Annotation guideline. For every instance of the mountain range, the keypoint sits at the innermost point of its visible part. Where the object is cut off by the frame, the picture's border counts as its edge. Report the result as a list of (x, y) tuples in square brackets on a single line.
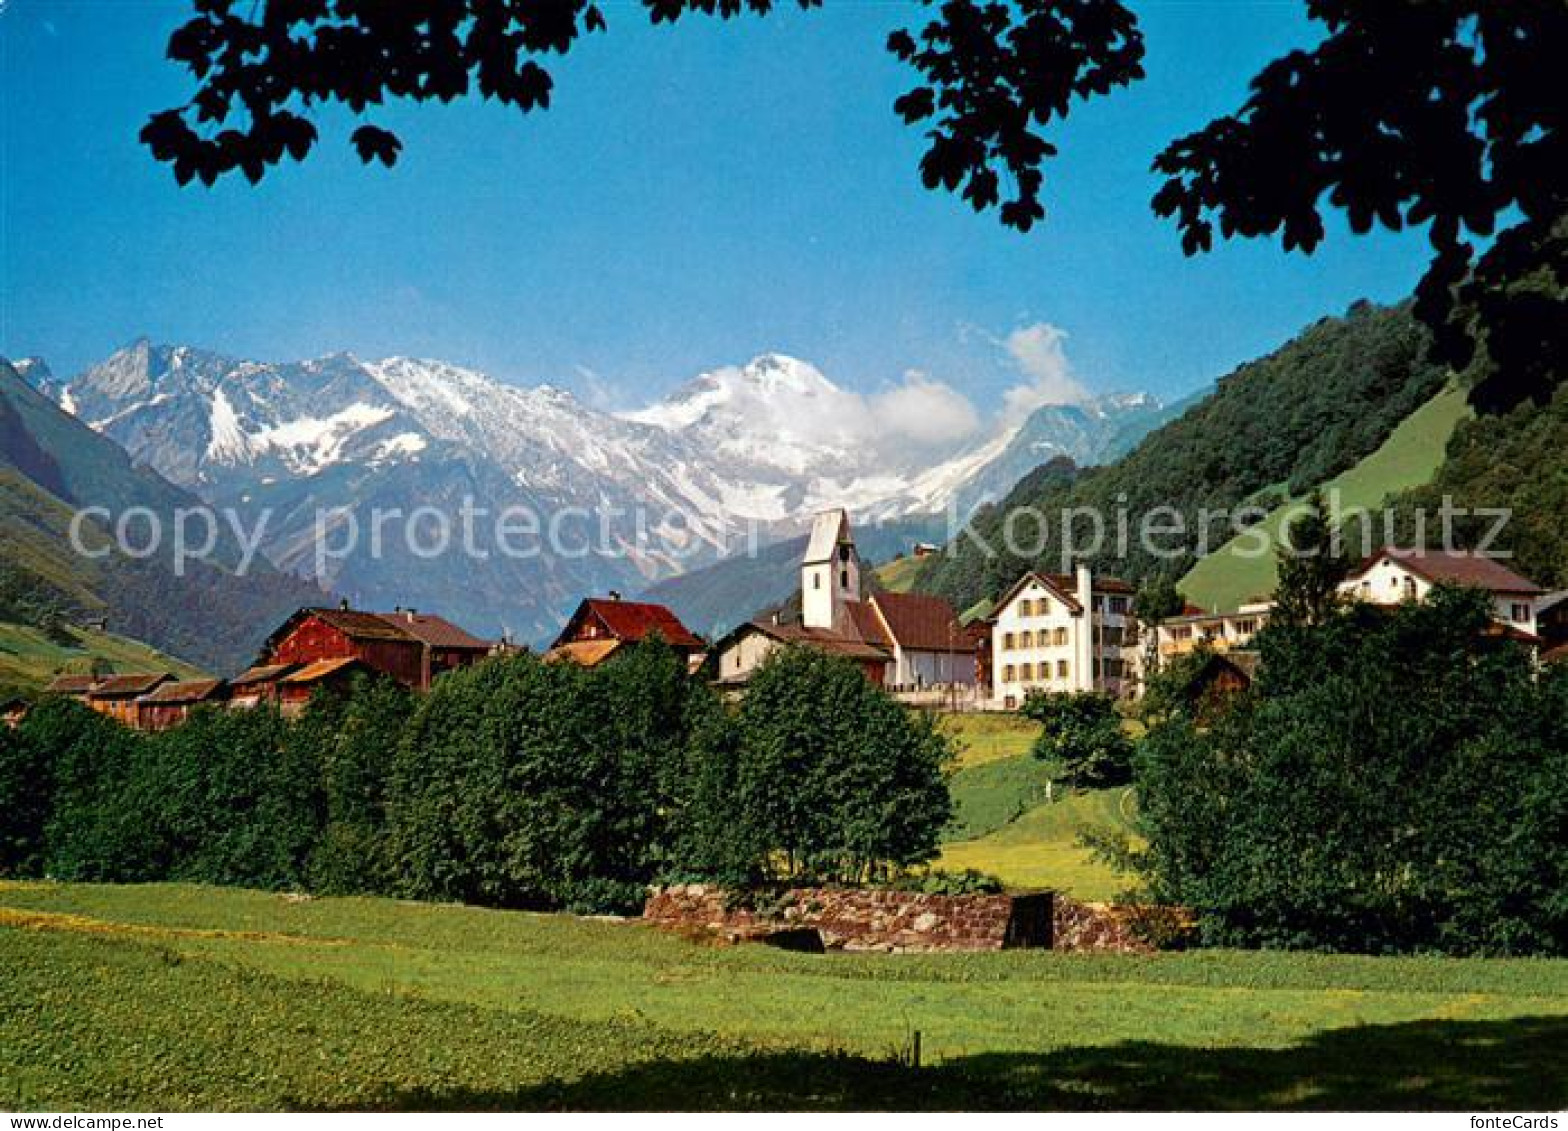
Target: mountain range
[(740, 456)]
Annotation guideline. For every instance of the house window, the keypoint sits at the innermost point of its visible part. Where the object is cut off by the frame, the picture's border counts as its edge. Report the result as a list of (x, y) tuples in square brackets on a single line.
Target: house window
[(1060, 638), (1026, 639), (843, 579), (1118, 605), (1026, 608), (1521, 613), (1009, 674), (1410, 589), (1026, 672), (1246, 627), (1009, 641), (1061, 669)]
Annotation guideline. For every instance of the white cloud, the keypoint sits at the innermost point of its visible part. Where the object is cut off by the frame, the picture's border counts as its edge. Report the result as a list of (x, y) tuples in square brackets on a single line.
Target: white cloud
[(1040, 353), (925, 411)]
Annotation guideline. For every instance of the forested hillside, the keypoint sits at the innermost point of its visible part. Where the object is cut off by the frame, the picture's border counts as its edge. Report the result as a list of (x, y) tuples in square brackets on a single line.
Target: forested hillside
[(49, 465), (1271, 429), (1519, 462)]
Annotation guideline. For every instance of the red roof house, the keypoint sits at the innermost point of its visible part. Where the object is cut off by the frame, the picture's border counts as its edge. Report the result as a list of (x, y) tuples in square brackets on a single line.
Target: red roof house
[(413, 648), (603, 625)]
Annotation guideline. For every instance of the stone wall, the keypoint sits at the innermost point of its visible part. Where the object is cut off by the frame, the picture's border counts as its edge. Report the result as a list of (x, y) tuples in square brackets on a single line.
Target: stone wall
[(902, 921)]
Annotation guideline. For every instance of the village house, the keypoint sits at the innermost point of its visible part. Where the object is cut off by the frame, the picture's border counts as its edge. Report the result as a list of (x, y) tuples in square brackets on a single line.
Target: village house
[(602, 626), (296, 688), (116, 695), (72, 686), (257, 685), (907, 642), (1392, 576), (413, 648), (1218, 632), (1551, 620), (172, 703), (1053, 632)]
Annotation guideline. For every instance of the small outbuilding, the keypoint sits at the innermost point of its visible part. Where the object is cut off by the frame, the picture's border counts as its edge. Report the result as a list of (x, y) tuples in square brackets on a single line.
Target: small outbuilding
[(172, 703)]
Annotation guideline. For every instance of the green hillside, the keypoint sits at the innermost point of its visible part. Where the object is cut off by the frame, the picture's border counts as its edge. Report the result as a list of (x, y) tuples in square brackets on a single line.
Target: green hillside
[(30, 657), (1409, 458), (1516, 462), (898, 575), (1275, 427), (50, 464)]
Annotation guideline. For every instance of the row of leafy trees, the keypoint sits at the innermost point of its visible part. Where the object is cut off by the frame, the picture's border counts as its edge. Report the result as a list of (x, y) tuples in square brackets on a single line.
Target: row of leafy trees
[(1395, 780), (514, 783)]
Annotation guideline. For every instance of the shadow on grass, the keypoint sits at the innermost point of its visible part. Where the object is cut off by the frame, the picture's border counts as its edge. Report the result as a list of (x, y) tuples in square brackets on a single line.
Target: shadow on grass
[(1512, 1065)]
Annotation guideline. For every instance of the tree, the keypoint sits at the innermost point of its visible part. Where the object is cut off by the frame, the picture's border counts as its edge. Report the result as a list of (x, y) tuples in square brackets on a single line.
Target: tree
[(1393, 781), (1406, 113), (351, 741), (828, 777), (1082, 737), (1310, 567)]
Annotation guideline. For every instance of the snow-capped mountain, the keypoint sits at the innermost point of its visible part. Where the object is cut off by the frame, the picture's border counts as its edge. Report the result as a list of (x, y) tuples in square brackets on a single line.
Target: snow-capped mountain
[(740, 453)]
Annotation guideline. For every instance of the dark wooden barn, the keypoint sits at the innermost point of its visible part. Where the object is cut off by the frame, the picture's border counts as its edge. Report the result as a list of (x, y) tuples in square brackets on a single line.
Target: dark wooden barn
[(413, 648)]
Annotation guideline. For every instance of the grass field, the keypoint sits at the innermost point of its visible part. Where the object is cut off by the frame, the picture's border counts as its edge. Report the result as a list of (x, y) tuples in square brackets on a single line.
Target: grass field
[(898, 575), (173, 997), (988, 736), (1040, 848), (29, 658), (1408, 458)]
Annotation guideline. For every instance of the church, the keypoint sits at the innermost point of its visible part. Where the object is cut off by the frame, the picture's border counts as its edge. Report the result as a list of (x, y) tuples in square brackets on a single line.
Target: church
[(905, 641)]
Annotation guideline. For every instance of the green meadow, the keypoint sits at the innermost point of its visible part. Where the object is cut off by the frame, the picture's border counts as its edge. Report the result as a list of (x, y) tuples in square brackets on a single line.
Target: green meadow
[(173, 997)]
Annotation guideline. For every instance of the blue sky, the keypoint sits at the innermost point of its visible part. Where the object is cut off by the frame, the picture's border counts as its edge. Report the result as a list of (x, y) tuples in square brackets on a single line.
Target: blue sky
[(695, 197)]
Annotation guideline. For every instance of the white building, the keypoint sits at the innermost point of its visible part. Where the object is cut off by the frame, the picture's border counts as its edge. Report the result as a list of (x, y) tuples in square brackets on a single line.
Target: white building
[(1392, 576), (1220, 632), (906, 641), (1053, 632)]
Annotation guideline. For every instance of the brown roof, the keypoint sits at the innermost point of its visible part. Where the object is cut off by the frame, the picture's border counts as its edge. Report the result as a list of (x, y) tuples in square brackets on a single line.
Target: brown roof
[(128, 686), (867, 625), (823, 640), (925, 624), (1460, 567), (1558, 655), (632, 621), (438, 632), (588, 653), (71, 684), (266, 673), (1068, 583), (186, 691), (321, 669), (359, 626)]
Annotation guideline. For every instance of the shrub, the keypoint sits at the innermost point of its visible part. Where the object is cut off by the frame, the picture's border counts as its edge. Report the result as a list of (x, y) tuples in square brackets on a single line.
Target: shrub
[(1082, 737)]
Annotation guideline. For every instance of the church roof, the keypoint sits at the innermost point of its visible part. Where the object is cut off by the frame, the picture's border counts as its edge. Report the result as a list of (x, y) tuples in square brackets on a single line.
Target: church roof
[(828, 530)]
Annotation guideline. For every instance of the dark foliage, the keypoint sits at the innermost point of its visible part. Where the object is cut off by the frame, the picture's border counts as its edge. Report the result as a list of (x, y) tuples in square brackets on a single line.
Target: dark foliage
[(1310, 567), (1394, 781), (825, 777), (1081, 737), (1407, 114)]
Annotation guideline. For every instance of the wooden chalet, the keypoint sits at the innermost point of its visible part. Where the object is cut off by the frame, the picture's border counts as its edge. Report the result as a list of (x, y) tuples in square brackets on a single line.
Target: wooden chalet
[(601, 626), (411, 647), (172, 703), (116, 695), (298, 687), (257, 685), (72, 686)]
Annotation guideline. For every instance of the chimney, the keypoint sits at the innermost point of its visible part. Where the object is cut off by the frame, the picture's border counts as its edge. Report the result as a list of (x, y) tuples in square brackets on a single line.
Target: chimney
[(343, 604), (1085, 587), (410, 613), (615, 594)]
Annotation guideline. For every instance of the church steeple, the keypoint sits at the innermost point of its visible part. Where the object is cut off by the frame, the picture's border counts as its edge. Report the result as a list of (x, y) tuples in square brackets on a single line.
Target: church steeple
[(830, 570)]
